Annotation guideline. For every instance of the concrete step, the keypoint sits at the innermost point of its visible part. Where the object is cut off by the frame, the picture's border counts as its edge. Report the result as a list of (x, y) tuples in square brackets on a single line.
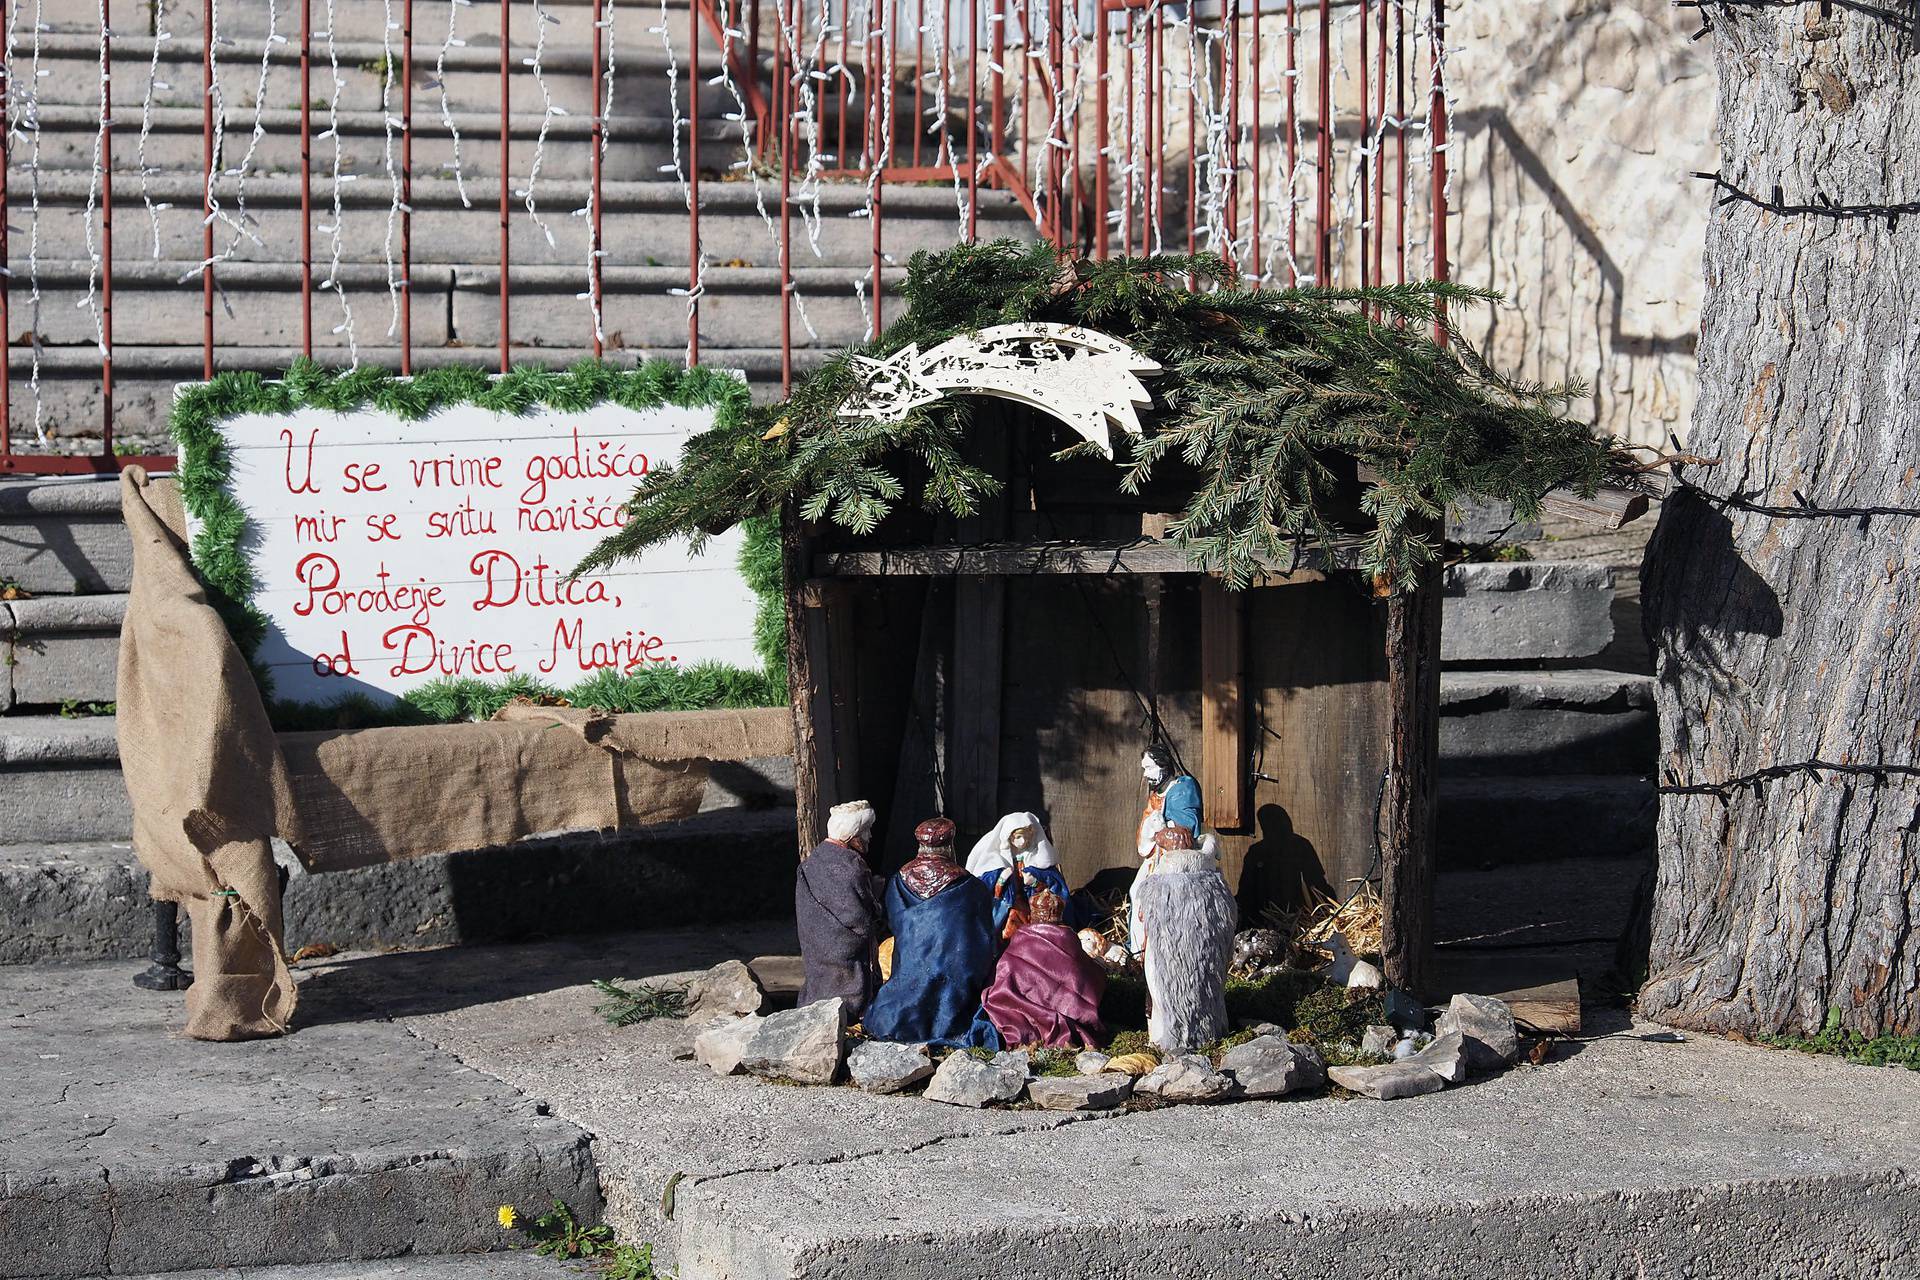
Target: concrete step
[(126, 1149), (460, 306), (1528, 610), (521, 1265), (87, 899), (1504, 722), (59, 649), (1495, 821), (643, 223), (62, 535), (144, 379), (62, 780)]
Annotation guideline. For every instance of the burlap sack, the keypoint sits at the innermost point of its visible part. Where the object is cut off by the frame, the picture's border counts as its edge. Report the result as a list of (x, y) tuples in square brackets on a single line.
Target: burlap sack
[(211, 783)]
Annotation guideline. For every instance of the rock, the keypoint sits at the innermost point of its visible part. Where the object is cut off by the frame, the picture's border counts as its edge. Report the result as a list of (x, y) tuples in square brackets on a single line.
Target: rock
[(1018, 1059), (1404, 1013), (1394, 1080), (1486, 1024), (1378, 1041), (1185, 1078), (804, 1044), (1257, 948), (1262, 1028), (1365, 975), (728, 990), (1097, 1092), (965, 1081), (1269, 1067), (1446, 1057), (721, 1046), (1091, 1062), (883, 1066)]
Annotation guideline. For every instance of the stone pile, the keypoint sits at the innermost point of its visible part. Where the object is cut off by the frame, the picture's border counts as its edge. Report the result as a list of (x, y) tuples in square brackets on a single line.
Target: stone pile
[(809, 1045)]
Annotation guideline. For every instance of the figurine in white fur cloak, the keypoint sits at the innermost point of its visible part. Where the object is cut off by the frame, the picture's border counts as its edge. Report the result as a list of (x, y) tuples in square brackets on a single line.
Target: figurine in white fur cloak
[(1188, 915)]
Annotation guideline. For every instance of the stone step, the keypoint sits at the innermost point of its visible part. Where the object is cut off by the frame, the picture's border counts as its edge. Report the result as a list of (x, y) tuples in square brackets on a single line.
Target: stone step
[(515, 1265), (1525, 611), (87, 899), (60, 535), (642, 307), (62, 780), (1506, 722), (59, 649), (127, 1149), (1494, 821), (643, 224), (145, 377)]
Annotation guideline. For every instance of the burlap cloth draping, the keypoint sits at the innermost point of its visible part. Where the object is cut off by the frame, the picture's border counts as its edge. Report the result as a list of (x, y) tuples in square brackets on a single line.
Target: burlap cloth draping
[(211, 782)]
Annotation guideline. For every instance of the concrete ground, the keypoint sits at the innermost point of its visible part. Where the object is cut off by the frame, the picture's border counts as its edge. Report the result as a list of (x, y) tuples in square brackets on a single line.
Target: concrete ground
[(423, 1089)]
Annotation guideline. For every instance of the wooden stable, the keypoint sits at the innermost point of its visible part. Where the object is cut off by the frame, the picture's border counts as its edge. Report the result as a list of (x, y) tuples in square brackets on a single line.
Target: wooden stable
[(1008, 661)]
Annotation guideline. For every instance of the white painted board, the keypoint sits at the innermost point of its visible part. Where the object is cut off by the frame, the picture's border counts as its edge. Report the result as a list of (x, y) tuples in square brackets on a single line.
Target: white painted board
[(392, 553)]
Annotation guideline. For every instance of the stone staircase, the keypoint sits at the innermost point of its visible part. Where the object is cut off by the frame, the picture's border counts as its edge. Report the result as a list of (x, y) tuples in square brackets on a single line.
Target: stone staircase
[(455, 238)]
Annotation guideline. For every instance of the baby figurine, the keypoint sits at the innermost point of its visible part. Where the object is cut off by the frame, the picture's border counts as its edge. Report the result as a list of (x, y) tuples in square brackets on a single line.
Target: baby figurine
[(1046, 991)]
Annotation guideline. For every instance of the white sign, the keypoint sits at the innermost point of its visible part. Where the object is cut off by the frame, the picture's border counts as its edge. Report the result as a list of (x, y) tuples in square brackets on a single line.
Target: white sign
[(1088, 380), (391, 553)]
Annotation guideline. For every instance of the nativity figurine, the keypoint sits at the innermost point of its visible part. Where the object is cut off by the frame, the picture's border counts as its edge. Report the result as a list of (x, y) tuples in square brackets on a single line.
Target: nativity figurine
[(944, 950), (836, 907), (1046, 990), (1173, 800), (1015, 861), (1188, 917)]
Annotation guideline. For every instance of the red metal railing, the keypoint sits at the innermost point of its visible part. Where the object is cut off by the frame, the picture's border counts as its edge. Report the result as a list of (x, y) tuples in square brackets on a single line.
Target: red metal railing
[(1118, 127)]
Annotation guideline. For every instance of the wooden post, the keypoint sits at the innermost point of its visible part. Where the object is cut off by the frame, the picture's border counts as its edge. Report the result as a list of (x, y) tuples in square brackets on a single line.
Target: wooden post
[(808, 815), (1413, 752), (1223, 705)]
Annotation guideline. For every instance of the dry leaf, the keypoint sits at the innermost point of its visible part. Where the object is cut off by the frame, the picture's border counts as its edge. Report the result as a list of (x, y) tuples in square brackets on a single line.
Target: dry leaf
[(315, 951)]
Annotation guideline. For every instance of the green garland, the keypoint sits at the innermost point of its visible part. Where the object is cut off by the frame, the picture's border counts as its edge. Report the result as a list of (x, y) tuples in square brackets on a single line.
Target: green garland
[(205, 470), (1259, 388)]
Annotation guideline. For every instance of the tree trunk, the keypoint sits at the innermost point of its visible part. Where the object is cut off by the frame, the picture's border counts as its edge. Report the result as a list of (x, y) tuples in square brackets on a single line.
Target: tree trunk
[(1782, 640)]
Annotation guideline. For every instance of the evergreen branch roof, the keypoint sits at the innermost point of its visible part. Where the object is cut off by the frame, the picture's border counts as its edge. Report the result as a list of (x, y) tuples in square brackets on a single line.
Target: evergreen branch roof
[(1258, 389)]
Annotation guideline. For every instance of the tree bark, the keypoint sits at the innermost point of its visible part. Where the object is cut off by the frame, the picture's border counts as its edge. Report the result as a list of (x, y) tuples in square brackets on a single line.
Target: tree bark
[(1781, 640)]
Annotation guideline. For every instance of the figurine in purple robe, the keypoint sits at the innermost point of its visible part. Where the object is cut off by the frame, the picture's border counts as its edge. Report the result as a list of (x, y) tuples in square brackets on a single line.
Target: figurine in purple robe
[(943, 950), (1046, 991), (836, 905)]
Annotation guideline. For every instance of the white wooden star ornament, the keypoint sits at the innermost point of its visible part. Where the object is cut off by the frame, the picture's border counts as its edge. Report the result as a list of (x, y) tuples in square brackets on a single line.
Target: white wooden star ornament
[(1086, 379)]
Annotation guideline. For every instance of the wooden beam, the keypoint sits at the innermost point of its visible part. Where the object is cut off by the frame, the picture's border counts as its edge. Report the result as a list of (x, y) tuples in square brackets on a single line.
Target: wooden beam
[(1223, 706), (973, 754), (1144, 556), (1413, 752), (809, 815)]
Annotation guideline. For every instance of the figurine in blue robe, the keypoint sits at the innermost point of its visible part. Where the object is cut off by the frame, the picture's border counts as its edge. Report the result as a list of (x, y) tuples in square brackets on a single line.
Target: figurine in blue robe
[(1016, 862), (944, 950)]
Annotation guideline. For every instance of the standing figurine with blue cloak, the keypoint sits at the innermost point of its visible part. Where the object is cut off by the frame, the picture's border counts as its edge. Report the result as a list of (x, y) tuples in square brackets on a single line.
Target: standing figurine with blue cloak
[(943, 950), (1016, 861), (1173, 800)]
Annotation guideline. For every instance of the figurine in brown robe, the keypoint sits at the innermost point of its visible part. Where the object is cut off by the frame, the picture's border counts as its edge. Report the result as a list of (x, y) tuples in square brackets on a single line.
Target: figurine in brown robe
[(836, 906)]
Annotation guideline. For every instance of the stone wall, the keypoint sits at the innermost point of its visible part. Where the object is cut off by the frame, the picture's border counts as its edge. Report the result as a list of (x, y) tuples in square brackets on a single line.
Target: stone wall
[(1578, 123)]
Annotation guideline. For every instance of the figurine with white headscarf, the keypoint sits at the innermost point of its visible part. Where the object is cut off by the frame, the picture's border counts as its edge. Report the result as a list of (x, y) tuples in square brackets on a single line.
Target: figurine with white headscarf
[(1016, 861), (837, 911)]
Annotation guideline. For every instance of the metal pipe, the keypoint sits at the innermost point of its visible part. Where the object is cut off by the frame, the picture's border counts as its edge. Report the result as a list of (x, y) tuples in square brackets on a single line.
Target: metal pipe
[(1438, 113), (1102, 142), (919, 81), (1323, 169), (1000, 75), (1230, 86), (973, 120), (106, 230), (784, 99), (206, 194), (506, 161), (1193, 160), (1400, 138), (1377, 155), (598, 140), (1056, 128), (883, 56), (306, 178), (693, 191), (846, 24), (1293, 137), (6, 275), (1362, 160), (406, 188), (1259, 264)]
